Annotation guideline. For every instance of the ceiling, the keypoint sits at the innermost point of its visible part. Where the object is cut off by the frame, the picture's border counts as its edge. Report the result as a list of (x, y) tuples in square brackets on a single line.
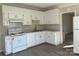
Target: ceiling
[(36, 6), (42, 5)]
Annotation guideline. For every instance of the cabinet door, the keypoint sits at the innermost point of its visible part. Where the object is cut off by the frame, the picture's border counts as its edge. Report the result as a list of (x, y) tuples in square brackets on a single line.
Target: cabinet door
[(15, 16), (38, 38), (42, 37), (51, 38), (27, 20), (31, 39), (8, 45), (5, 19), (57, 38), (19, 43), (52, 16)]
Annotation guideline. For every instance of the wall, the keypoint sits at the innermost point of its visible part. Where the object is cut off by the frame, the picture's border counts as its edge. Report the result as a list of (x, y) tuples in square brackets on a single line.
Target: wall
[(29, 28), (67, 19), (53, 27), (1, 31)]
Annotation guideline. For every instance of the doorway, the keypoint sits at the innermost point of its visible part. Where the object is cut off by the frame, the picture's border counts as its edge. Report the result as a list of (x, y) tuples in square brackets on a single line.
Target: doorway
[(67, 26)]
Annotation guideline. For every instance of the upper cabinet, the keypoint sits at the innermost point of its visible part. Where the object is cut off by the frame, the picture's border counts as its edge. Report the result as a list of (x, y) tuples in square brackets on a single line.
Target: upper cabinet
[(12, 14), (52, 16), (21, 15)]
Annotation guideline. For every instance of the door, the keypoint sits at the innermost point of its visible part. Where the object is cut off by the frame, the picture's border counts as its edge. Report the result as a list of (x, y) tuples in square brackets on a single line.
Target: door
[(76, 41)]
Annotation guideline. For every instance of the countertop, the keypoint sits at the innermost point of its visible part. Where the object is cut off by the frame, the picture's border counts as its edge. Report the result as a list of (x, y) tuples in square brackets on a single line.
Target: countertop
[(33, 32)]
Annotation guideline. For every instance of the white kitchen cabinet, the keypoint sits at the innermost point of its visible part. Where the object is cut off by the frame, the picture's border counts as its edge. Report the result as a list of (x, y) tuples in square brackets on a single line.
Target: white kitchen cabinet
[(15, 15), (27, 20), (8, 45), (35, 38), (5, 19), (30, 39), (40, 37), (57, 38), (19, 43), (52, 16), (53, 38), (15, 44)]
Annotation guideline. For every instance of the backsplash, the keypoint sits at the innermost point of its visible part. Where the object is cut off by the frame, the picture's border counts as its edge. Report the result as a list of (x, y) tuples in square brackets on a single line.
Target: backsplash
[(28, 28), (31, 28), (52, 27)]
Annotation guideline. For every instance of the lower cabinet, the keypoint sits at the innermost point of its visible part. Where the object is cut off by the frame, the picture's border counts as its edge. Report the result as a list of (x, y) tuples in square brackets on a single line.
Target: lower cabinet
[(15, 44), (34, 39), (53, 38), (50, 38), (30, 39), (18, 43), (8, 44)]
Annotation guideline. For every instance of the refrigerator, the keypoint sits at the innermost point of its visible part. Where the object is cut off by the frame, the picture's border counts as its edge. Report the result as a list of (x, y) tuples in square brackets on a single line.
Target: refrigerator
[(76, 34)]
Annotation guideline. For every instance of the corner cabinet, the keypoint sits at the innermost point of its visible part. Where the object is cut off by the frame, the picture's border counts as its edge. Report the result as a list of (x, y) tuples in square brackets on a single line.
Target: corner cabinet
[(53, 38)]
